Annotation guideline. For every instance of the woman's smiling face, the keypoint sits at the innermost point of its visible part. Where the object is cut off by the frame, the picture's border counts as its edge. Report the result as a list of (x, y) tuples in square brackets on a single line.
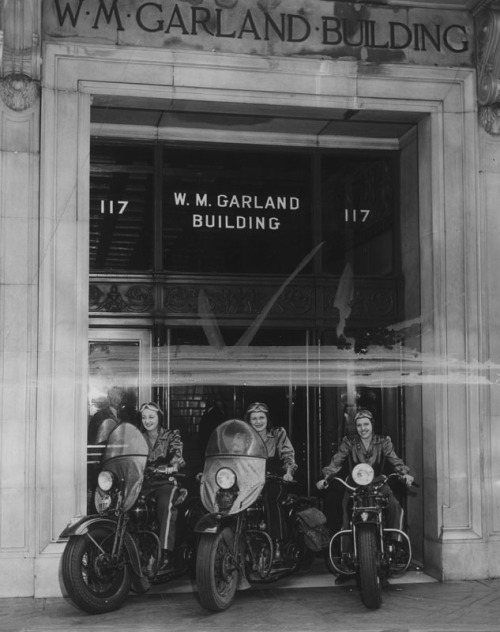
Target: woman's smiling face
[(364, 427), (150, 419), (258, 421)]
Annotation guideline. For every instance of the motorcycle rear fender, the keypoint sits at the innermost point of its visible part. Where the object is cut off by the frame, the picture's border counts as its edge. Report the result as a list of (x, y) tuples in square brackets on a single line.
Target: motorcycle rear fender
[(79, 526), (213, 523)]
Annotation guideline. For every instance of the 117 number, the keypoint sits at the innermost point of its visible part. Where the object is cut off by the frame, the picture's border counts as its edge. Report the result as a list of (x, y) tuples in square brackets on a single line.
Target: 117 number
[(355, 215)]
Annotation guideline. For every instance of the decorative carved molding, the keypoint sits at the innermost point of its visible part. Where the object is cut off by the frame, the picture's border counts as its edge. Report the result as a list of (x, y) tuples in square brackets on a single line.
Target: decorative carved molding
[(489, 117), (18, 92), (375, 303), (488, 64), (238, 301), (111, 297), (19, 54), (180, 299)]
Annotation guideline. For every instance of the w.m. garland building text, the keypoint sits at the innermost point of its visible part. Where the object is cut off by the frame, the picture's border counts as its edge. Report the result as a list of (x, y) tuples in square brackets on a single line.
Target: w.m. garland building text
[(279, 27)]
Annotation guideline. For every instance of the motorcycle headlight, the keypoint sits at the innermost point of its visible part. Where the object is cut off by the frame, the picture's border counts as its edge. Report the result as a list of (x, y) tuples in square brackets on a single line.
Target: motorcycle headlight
[(363, 474), (105, 480), (225, 478)]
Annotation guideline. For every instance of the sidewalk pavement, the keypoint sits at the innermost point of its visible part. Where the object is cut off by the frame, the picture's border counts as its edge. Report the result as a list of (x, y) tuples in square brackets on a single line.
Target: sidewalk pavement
[(309, 602)]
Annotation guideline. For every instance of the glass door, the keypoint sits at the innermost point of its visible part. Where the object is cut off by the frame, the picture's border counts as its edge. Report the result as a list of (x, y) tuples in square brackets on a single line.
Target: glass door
[(119, 380), (203, 385)]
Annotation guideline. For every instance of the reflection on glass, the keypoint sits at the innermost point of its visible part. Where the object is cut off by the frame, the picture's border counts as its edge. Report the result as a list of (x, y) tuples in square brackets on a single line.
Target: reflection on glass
[(112, 399), (113, 379)]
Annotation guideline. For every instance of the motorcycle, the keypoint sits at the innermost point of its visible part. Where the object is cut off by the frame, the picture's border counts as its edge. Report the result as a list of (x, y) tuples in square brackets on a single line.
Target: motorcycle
[(118, 548), (235, 547), (368, 550)]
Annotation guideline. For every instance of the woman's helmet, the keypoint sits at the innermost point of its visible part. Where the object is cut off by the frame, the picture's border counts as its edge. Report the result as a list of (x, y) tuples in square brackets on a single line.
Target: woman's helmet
[(364, 413), (257, 407), (151, 406)]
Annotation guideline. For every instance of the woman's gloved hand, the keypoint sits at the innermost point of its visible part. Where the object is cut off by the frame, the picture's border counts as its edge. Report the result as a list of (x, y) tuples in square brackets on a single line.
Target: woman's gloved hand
[(408, 479), (165, 469), (322, 484)]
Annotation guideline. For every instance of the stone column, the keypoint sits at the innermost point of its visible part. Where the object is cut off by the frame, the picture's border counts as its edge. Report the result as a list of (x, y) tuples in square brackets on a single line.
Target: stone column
[(487, 15), (488, 74), (19, 186)]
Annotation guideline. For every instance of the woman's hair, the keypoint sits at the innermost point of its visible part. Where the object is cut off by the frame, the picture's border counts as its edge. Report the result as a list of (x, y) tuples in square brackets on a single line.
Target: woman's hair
[(155, 407), (258, 407)]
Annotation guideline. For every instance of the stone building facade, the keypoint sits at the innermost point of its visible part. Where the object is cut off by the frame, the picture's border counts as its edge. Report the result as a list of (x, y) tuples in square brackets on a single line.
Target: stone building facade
[(407, 87)]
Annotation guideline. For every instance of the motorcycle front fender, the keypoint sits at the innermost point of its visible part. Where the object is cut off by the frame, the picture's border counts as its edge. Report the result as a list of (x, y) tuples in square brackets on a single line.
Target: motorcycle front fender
[(80, 525), (366, 517), (213, 523)]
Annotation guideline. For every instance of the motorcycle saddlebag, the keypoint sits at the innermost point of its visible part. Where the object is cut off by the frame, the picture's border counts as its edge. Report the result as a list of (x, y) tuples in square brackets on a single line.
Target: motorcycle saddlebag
[(311, 523)]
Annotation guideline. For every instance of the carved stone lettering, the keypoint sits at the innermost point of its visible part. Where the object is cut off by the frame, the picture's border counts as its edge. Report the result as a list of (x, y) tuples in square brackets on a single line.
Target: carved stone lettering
[(290, 27)]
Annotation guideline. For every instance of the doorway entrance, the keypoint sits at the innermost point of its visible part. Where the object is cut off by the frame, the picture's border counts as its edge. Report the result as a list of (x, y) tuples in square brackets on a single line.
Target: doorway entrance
[(263, 273)]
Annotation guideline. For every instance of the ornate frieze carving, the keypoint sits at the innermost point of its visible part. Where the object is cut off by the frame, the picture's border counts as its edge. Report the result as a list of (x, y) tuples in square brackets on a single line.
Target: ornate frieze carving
[(19, 54), (369, 304), (374, 302), (126, 297), (487, 16), (238, 301)]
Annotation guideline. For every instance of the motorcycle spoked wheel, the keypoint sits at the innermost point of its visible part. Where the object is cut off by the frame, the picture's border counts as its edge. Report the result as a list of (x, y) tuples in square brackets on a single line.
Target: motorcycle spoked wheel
[(216, 572), (93, 583), (368, 576)]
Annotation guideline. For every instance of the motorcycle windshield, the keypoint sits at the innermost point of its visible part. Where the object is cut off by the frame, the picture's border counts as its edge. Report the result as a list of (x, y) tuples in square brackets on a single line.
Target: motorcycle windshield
[(125, 456), (237, 446), (104, 430), (236, 437)]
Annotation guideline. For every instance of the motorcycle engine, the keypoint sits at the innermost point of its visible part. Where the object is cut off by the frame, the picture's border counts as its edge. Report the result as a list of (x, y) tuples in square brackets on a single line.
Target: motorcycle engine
[(256, 516), (139, 514)]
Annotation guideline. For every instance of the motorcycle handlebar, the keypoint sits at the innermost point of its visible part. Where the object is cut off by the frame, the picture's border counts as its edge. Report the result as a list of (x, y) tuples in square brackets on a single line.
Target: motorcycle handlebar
[(160, 473), (401, 478), (336, 478), (383, 479), (277, 477)]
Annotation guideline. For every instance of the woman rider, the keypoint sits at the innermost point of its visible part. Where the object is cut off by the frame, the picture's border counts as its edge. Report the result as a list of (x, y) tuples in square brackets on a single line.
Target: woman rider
[(165, 455), (366, 447), (280, 461)]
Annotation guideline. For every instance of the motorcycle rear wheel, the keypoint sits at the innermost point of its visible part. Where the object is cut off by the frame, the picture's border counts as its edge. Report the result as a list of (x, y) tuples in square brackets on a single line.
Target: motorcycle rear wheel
[(93, 583), (369, 580), (216, 573)]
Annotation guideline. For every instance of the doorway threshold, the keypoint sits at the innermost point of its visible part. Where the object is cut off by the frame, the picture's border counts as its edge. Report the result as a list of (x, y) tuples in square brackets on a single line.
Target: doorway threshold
[(317, 577)]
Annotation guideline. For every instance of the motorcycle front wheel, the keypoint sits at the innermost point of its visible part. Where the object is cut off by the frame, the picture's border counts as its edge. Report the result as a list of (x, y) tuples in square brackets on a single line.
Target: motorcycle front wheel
[(94, 583), (369, 580), (216, 572)]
